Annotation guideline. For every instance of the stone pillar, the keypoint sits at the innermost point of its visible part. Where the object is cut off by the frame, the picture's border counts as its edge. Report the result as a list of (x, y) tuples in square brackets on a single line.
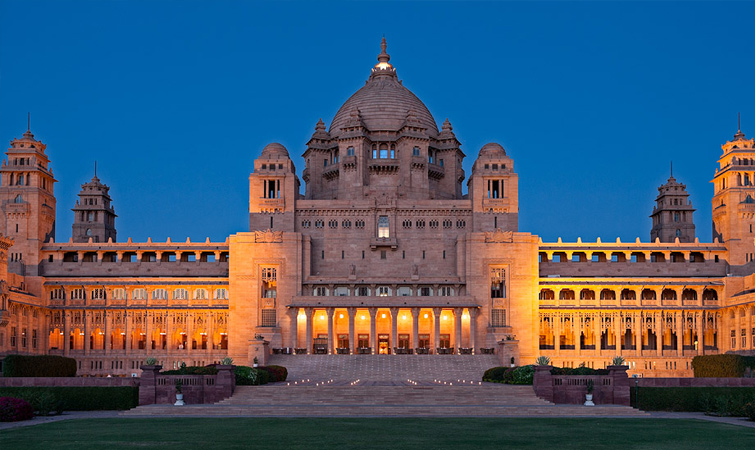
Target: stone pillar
[(148, 385), (293, 319), (557, 333), (106, 338), (436, 325), (620, 384), (352, 337), (308, 312), (330, 312), (472, 327), (618, 324), (542, 382), (679, 329), (394, 327), (457, 328), (169, 334), (637, 328), (189, 335), (659, 328), (748, 316), (415, 327), (66, 332), (699, 330), (578, 338), (373, 329)]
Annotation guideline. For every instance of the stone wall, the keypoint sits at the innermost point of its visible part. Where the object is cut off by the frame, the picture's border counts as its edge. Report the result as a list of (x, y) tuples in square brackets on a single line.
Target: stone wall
[(611, 389), (68, 381), (693, 382), (197, 389)]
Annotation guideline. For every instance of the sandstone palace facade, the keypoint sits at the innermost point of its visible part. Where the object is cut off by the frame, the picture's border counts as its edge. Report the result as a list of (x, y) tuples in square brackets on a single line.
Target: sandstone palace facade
[(383, 253)]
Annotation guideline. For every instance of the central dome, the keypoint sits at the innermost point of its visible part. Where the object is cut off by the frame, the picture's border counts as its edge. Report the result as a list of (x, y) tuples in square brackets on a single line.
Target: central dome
[(383, 103)]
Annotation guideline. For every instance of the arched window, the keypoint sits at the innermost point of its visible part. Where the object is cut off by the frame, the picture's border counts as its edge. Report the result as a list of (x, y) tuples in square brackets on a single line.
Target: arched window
[(648, 294), (180, 294), (20, 181), (668, 294), (587, 294), (566, 294), (710, 294), (89, 232), (689, 294), (607, 294), (678, 232), (628, 294), (18, 199), (547, 294)]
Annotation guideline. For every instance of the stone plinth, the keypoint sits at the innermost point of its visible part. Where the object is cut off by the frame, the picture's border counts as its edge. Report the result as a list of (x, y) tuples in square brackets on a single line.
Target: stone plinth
[(508, 349), (259, 349), (148, 384)]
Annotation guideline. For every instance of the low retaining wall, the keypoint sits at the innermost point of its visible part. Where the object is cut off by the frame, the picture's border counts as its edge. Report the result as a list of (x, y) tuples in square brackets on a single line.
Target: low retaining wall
[(611, 389), (693, 382), (67, 381), (197, 389)]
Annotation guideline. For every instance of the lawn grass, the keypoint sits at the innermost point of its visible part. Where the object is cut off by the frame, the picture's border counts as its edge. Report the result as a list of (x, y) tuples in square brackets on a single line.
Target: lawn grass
[(377, 433)]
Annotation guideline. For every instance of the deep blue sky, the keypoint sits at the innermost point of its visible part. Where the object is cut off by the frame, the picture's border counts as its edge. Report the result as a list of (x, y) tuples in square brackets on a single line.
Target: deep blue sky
[(176, 99)]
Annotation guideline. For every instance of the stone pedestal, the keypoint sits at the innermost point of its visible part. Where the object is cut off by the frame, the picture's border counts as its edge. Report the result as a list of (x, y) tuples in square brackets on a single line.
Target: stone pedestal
[(148, 385), (259, 349), (508, 349)]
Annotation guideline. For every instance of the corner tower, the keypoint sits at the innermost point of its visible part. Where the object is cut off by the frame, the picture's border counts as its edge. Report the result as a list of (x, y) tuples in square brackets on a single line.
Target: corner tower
[(672, 214), (28, 203), (734, 199), (273, 189), (93, 215), (494, 190)]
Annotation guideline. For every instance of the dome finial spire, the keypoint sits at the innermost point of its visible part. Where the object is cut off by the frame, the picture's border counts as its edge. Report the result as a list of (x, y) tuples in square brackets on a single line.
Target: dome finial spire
[(383, 57)]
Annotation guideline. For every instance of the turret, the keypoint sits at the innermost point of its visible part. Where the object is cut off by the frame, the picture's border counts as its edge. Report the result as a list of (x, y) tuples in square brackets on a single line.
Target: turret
[(93, 215), (672, 214)]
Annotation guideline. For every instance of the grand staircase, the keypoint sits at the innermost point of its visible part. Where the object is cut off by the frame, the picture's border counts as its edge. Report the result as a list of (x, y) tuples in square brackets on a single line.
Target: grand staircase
[(384, 386)]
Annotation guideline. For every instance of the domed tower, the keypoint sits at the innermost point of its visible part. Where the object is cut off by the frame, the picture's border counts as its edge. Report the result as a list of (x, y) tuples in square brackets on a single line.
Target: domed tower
[(28, 203), (93, 215), (273, 188), (383, 142), (672, 214), (494, 190), (734, 200)]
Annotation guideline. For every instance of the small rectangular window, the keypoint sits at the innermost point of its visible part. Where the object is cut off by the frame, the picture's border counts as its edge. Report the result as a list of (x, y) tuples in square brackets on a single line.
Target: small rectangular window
[(383, 254), (383, 227)]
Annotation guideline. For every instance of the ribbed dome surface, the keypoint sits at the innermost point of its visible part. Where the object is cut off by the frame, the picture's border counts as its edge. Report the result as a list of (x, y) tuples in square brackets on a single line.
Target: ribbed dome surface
[(492, 150), (273, 151), (383, 104)]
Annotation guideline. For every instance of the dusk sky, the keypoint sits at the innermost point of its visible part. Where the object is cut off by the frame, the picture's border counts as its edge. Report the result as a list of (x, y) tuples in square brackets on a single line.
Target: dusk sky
[(175, 100)]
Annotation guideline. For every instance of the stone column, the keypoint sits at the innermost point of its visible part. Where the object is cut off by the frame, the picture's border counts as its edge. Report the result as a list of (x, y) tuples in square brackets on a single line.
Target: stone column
[(578, 333), (373, 329), (147, 333), (308, 312), (293, 319), (87, 329), (679, 333), (457, 329), (128, 329), (66, 332), (189, 335), (472, 327), (415, 327), (106, 337), (557, 333), (748, 316), (618, 324), (330, 312), (659, 328), (352, 337), (168, 334), (394, 327), (699, 330), (436, 324), (638, 326)]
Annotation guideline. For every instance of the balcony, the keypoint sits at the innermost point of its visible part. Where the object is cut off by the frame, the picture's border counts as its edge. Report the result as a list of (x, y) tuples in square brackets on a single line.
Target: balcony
[(331, 172), (383, 166), (384, 242), (435, 171)]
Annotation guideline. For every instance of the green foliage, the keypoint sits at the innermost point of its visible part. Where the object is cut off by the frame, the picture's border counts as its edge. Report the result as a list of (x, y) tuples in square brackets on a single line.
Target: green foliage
[(179, 386), (15, 409), (150, 361), (251, 376), (227, 361), (749, 410), (723, 401), (542, 361), (78, 398), (192, 370), (722, 366), (581, 370), (590, 386), (510, 375), (38, 366), (617, 361)]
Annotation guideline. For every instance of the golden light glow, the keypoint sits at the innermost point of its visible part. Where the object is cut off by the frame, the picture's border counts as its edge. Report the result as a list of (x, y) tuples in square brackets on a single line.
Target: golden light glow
[(383, 65), (340, 316), (322, 317), (362, 316), (403, 317), (383, 316), (425, 315)]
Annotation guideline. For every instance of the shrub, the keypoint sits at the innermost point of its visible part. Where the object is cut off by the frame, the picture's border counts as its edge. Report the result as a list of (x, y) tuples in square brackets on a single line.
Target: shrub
[(721, 401), (277, 373), (249, 376), (38, 366), (523, 375), (494, 374), (542, 361), (749, 410), (722, 366), (77, 398), (15, 409)]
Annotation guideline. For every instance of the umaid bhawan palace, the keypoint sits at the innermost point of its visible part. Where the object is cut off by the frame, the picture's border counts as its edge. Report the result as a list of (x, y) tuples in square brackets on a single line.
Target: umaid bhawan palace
[(381, 252)]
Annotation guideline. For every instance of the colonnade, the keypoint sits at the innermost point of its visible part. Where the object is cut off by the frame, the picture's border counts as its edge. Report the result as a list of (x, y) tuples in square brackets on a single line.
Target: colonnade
[(382, 329)]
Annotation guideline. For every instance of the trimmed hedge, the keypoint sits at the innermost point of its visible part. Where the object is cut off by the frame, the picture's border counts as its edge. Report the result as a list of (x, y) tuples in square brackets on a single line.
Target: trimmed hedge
[(510, 375), (38, 366), (722, 366), (15, 409), (724, 401), (55, 399), (192, 370), (578, 371)]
